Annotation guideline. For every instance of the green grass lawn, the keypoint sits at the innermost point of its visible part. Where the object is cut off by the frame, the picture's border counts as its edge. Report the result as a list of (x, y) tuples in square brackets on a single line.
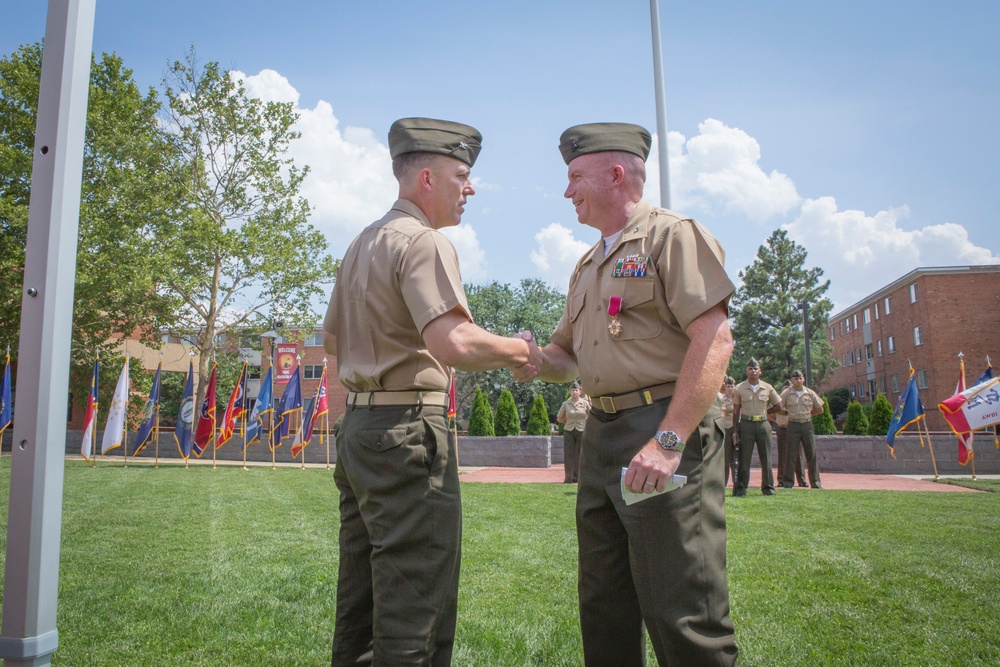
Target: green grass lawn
[(232, 568)]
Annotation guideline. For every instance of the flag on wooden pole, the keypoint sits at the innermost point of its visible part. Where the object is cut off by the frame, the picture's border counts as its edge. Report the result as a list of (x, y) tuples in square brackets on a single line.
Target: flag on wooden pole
[(235, 408), (90, 417), (115, 426), (206, 419), (185, 416), (145, 433)]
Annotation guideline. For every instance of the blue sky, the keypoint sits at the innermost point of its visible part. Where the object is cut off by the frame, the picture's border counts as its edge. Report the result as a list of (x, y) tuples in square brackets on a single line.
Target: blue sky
[(867, 129)]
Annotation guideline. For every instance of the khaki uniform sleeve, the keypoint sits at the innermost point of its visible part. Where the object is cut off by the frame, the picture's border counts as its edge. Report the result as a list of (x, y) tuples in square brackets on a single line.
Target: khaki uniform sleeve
[(774, 398), (430, 280), (695, 277)]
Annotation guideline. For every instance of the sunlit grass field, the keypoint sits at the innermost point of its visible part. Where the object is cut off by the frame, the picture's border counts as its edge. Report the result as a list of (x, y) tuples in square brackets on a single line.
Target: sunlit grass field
[(229, 567)]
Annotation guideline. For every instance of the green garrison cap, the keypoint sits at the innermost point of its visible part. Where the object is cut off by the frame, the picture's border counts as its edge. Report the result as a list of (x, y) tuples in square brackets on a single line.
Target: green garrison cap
[(797, 374), (599, 137), (428, 135), (753, 363)]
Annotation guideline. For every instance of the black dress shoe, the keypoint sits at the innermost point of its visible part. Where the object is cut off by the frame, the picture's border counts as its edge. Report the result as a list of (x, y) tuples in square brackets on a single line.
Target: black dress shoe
[(817, 486), (769, 492), (739, 494), (803, 485), (787, 486)]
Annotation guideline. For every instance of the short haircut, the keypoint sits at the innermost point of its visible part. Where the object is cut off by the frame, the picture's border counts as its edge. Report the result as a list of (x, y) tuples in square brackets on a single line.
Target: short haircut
[(406, 163)]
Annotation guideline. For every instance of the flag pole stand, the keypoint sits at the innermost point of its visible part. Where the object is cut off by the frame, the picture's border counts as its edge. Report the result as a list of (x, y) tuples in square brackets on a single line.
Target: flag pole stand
[(972, 462), (930, 447)]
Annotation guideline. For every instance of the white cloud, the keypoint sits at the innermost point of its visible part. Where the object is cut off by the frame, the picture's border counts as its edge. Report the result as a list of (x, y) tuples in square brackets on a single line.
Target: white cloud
[(719, 170), (556, 253), (350, 182), (860, 253), (471, 256)]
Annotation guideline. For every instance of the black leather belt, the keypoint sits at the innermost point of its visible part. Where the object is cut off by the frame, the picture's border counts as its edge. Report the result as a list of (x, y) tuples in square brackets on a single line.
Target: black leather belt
[(633, 399)]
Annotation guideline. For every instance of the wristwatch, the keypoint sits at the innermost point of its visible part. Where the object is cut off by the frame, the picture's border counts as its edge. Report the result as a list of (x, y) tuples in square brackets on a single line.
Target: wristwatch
[(670, 441)]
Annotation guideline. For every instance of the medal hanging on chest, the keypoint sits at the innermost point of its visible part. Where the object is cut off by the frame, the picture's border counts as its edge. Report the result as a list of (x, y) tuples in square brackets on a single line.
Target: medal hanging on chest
[(615, 304)]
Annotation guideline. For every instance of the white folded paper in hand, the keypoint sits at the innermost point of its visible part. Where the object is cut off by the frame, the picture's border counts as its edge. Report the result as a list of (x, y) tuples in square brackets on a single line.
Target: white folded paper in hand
[(630, 497)]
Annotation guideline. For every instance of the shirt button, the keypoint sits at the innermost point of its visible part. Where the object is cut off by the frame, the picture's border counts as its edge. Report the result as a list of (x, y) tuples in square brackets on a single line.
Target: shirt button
[(595, 342), (597, 378)]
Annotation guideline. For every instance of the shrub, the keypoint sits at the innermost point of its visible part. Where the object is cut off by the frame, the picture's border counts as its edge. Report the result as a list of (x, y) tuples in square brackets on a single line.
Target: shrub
[(839, 398), (823, 424), (481, 418), (506, 421), (857, 423), (538, 420), (881, 416)]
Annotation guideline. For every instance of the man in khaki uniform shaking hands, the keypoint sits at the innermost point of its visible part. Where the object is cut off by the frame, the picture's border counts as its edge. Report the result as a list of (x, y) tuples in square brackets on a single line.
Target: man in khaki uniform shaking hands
[(646, 327), (398, 322), (801, 403)]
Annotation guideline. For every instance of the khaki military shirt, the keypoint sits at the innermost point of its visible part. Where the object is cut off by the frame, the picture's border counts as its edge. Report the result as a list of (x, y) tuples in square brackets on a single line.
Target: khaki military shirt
[(726, 403), (755, 402), (800, 408), (668, 270), (397, 276), (575, 414)]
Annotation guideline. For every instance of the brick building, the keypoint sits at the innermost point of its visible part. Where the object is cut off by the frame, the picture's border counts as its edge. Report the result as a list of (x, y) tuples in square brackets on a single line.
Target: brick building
[(925, 318)]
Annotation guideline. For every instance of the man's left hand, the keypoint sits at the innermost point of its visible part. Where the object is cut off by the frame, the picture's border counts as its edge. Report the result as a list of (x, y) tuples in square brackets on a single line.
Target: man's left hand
[(652, 468)]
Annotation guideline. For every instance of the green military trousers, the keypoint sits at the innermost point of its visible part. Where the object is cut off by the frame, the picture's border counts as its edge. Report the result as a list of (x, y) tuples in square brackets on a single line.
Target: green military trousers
[(400, 537), (660, 562), (804, 433)]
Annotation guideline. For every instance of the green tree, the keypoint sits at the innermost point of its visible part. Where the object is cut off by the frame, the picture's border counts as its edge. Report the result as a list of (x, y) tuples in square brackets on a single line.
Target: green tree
[(839, 397), (766, 319), (504, 310), (538, 420), (124, 196), (823, 424), (481, 418), (507, 421), (857, 423), (881, 416), (237, 249)]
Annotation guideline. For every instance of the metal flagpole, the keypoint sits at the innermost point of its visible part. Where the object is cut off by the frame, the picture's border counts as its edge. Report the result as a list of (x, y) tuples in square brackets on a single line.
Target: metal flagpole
[(28, 634), (661, 104)]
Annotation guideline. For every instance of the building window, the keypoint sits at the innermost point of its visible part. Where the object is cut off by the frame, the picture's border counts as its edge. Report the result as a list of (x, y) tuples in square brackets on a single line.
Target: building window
[(854, 391), (895, 384), (918, 336), (888, 305), (314, 339), (851, 358), (875, 308), (866, 316), (913, 293), (892, 344), (843, 359), (861, 389), (312, 372), (859, 357), (842, 327), (855, 318), (831, 333), (922, 379), (868, 352), (848, 324), (883, 384), (873, 387)]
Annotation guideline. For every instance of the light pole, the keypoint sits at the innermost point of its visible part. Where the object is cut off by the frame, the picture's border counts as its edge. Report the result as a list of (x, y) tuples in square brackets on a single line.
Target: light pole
[(804, 307)]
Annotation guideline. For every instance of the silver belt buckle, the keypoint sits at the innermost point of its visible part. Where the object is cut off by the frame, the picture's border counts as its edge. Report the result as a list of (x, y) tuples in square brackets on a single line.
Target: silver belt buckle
[(608, 405)]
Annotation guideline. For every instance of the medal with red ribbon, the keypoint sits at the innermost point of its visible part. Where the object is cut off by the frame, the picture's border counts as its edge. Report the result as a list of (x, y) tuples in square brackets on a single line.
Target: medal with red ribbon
[(615, 304)]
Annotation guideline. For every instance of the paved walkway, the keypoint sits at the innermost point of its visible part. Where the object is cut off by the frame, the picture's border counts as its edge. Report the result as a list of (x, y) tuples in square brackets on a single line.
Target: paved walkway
[(554, 475)]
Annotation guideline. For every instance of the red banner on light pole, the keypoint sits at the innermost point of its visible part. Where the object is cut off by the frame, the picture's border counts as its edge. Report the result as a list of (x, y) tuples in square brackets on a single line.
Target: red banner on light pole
[(284, 362)]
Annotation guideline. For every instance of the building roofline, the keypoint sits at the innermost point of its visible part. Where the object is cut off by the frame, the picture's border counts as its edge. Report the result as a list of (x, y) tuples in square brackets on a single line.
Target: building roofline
[(912, 275)]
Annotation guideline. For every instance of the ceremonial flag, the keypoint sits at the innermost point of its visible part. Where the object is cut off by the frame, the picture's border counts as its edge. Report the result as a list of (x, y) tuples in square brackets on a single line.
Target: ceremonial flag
[(452, 403), (145, 433), (235, 408), (90, 417), (185, 416), (115, 426), (974, 408), (206, 419), (317, 407), (988, 375), (290, 403), (908, 410), (255, 424), (6, 404)]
